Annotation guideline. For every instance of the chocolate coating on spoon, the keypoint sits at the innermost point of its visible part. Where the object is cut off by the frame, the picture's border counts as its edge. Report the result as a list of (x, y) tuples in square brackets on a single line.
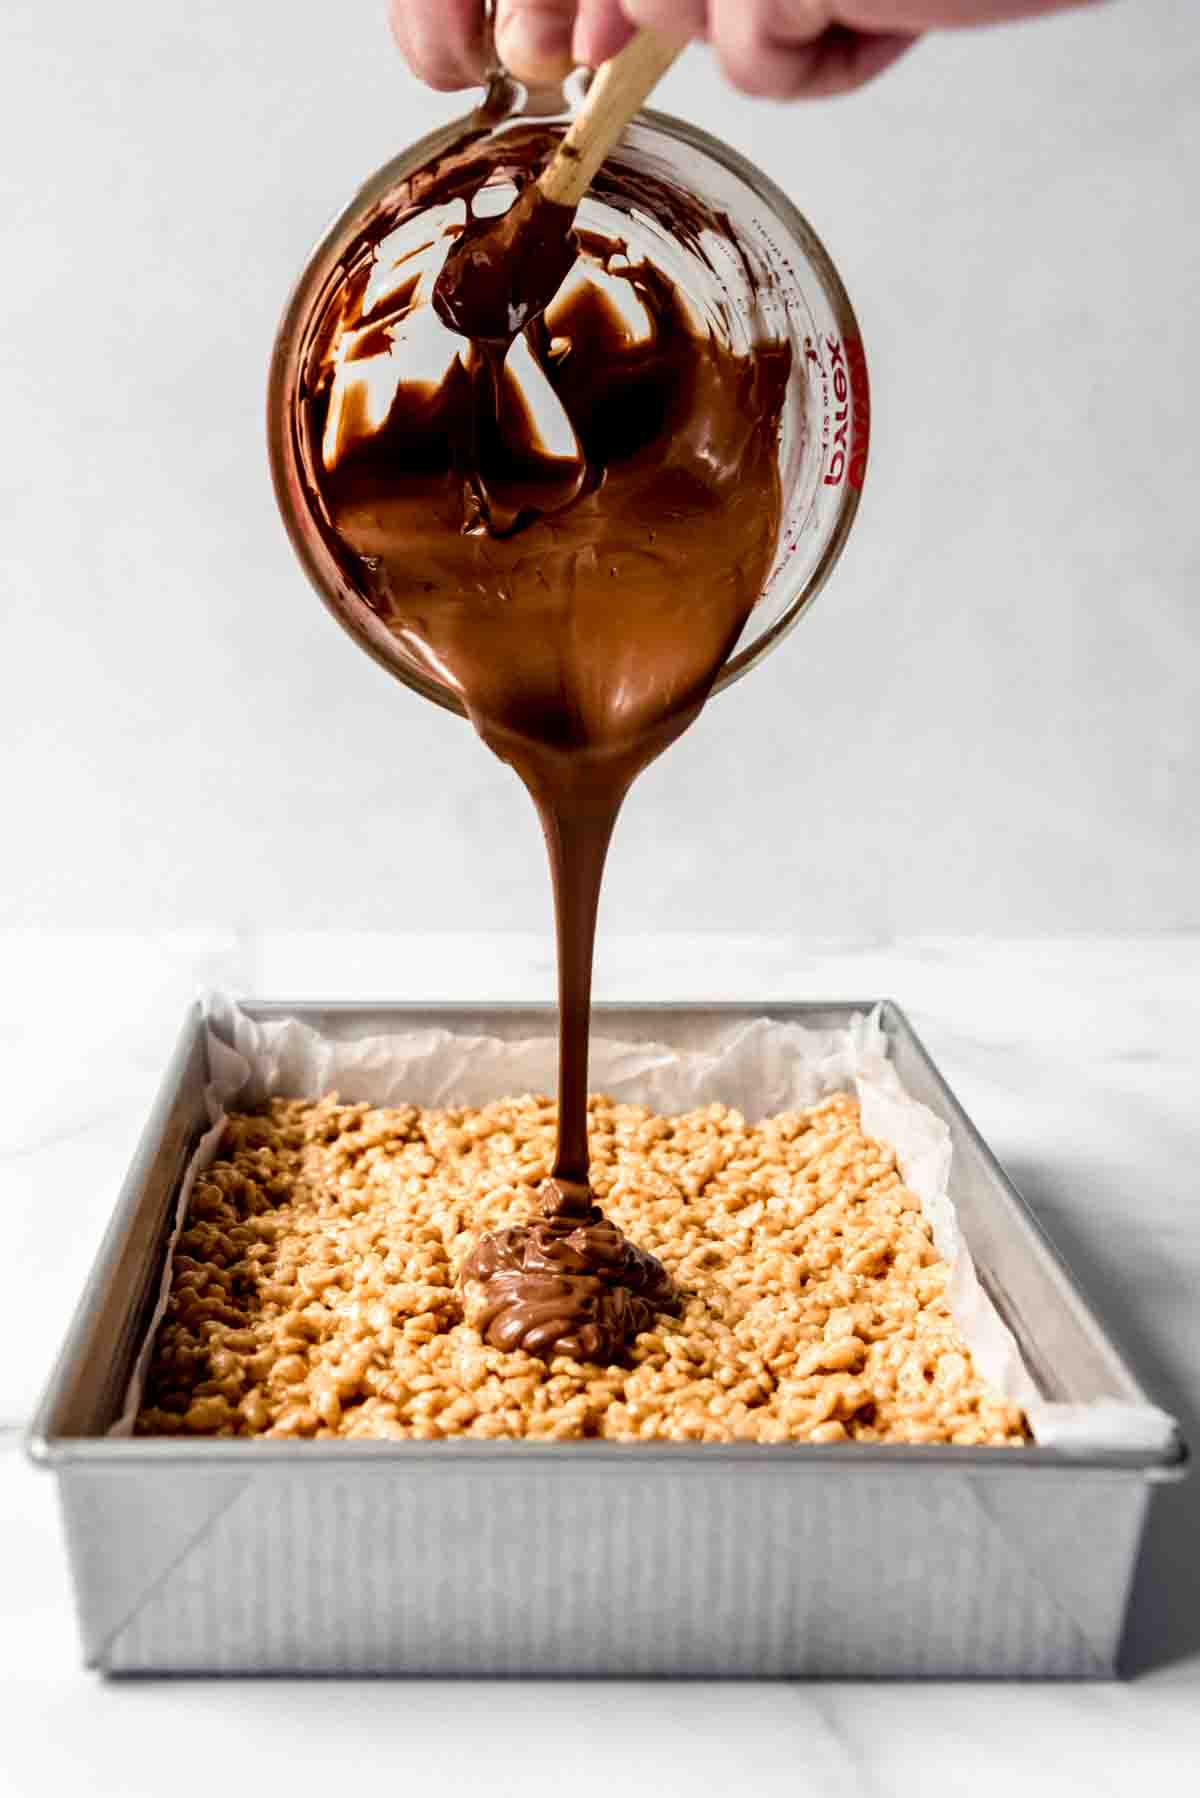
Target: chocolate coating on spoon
[(502, 273)]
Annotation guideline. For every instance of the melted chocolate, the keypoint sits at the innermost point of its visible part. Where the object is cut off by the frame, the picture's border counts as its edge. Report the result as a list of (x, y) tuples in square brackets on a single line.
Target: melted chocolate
[(503, 273), (568, 1284), (579, 584)]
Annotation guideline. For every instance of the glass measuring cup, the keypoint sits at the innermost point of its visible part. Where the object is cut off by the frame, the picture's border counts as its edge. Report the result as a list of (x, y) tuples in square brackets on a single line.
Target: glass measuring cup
[(751, 267)]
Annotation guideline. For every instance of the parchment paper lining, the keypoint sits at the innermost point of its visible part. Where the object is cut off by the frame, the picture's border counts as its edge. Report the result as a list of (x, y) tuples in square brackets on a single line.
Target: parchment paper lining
[(760, 1067)]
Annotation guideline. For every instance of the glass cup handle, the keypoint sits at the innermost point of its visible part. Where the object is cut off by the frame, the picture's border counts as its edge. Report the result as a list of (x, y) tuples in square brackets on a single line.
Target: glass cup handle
[(507, 98)]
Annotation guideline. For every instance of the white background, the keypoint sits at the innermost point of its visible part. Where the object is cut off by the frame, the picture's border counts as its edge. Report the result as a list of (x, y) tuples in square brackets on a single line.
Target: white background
[(986, 729), (990, 721)]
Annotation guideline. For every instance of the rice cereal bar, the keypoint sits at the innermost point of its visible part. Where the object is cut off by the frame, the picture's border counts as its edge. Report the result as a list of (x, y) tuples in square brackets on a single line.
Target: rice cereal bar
[(314, 1290)]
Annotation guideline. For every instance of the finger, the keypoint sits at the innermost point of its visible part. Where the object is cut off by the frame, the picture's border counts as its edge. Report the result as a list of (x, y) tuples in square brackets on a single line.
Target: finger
[(441, 40), (786, 49), (842, 60), (601, 29), (673, 18), (926, 15), (533, 38), (762, 64)]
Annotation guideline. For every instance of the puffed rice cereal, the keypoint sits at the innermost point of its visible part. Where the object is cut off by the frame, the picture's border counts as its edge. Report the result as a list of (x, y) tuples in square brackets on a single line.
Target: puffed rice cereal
[(314, 1287)]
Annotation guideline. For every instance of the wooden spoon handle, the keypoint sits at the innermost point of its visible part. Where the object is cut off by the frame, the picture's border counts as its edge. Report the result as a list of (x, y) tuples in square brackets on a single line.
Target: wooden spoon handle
[(620, 88)]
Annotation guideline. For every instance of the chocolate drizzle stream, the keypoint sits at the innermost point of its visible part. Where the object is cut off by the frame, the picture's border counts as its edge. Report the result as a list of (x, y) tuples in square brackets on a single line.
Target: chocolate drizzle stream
[(572, 541)]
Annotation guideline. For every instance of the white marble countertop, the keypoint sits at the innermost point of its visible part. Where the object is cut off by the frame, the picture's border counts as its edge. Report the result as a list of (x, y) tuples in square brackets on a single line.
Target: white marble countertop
[(1077, 1059)]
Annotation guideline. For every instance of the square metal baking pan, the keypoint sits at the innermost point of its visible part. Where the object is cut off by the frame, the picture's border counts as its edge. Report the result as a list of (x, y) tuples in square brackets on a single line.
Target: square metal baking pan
[(593, 1558)]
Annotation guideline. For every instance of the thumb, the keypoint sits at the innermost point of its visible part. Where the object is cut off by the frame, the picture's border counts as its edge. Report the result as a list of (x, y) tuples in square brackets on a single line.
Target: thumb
[(533, 38)]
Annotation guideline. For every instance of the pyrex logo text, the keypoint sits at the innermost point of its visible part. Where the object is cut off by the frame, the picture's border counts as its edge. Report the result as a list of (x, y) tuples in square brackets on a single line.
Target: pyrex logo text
[(848, 441)]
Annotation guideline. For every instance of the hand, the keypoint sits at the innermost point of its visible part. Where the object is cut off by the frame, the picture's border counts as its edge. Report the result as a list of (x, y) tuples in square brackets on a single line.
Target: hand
[(781, 48)]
